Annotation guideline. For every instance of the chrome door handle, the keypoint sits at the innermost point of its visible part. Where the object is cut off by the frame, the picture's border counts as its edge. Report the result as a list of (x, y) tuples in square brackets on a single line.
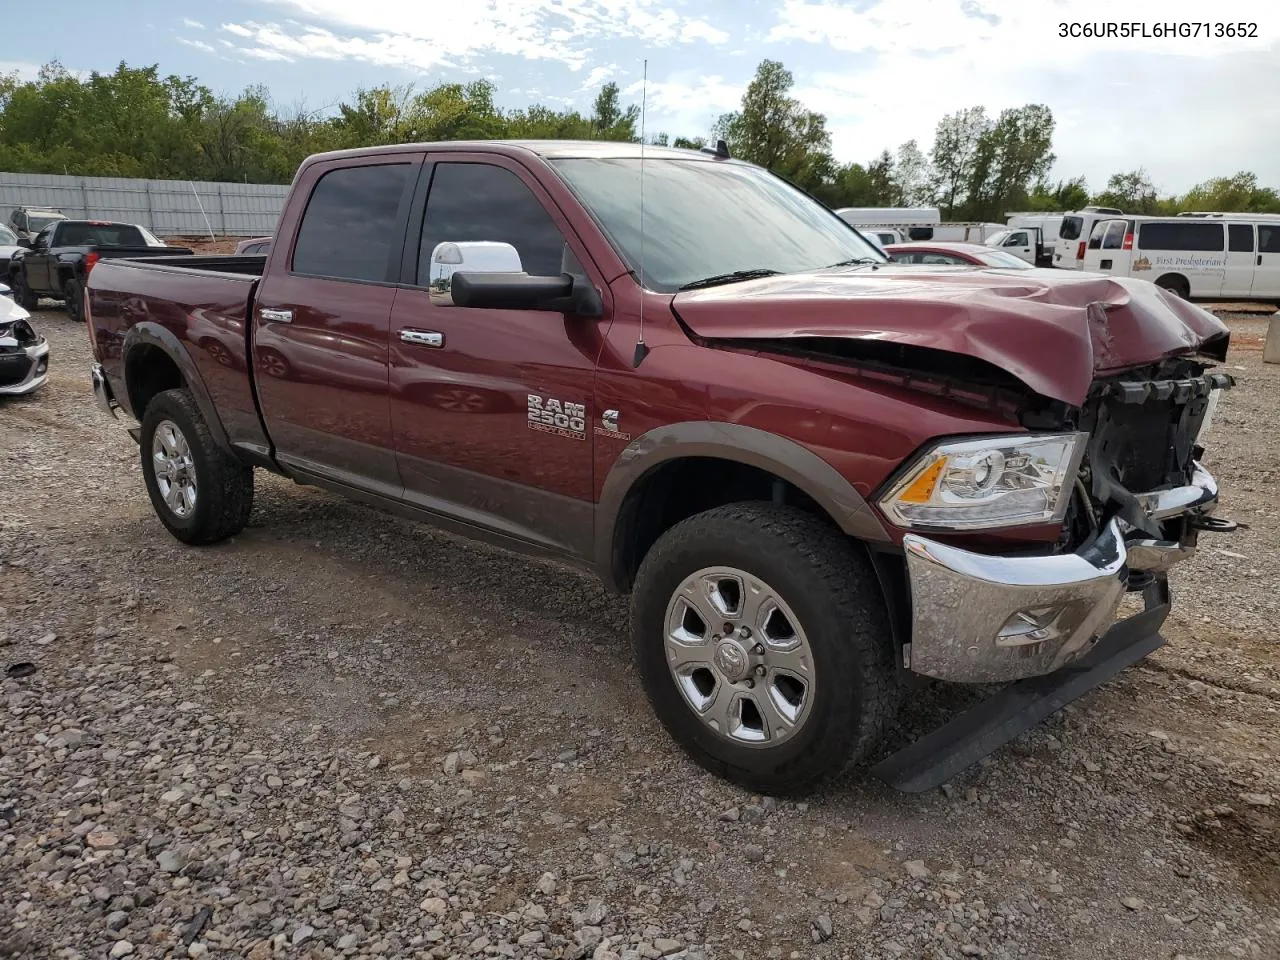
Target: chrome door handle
[(275, 316), (425, 338)]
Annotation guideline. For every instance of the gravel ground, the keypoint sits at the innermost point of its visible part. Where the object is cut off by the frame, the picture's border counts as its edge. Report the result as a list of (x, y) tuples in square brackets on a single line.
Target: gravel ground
[(343, 734)]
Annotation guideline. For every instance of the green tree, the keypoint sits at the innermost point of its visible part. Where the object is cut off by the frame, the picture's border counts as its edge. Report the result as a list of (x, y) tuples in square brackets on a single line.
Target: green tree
[(1132, 192), (1238, 193), (774, 130), (955, 155), (1009, 155)]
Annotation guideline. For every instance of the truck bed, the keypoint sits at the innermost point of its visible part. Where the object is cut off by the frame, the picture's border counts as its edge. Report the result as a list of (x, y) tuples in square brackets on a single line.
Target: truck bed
[(201, 304)]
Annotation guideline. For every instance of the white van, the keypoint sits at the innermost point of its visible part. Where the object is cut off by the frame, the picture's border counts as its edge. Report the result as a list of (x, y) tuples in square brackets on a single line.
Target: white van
[(1049, 224), (1236, 257), (1074, 233)]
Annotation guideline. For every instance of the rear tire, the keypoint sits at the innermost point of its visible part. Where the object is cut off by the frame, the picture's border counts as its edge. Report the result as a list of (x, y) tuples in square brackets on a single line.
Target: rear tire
[(22, 294), (1176, 285), (201, 493), (73, 290), (793, 718)]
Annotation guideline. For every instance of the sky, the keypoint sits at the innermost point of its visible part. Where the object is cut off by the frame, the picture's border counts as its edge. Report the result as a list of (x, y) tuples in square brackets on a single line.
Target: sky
[(1185, 108)]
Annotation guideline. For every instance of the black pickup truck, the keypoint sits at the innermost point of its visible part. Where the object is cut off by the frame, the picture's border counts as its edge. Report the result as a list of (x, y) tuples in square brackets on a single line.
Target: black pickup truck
[(57, 262)]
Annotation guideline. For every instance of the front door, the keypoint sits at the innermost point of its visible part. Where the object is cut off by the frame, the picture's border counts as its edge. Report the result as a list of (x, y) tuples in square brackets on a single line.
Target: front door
[(1237, 280), (322, 317), (36, 262), (492, 408), (1019, 244)]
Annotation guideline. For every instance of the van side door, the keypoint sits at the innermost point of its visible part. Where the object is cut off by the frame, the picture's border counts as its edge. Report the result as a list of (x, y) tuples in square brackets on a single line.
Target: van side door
[(1237, 281), (1266, 273)]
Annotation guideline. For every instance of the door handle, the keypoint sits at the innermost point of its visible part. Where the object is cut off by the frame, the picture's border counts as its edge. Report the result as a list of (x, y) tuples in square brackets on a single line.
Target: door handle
[(275, 316), (424, 338)]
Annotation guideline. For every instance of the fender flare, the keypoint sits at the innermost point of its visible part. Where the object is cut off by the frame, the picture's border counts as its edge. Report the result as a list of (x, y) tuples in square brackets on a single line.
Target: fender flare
[(152, 334), (734, 442)]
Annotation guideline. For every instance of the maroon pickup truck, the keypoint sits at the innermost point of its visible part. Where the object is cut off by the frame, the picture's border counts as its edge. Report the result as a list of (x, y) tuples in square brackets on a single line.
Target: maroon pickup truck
[(822, 478)]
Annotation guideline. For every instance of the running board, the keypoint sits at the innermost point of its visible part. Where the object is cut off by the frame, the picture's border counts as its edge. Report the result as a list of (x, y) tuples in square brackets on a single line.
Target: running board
[(964, 740)]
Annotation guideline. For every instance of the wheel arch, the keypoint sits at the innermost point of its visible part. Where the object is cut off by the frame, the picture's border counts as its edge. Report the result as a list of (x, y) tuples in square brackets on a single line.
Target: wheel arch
[(1177, 282), (156, 360), (645, 468)]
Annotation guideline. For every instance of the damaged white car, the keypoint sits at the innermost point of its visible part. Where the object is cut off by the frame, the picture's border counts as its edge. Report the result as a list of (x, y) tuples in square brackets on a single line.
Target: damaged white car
[(24, 354)]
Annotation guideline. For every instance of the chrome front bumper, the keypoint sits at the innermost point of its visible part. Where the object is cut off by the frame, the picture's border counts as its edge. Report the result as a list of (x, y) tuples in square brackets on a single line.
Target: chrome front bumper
[(102, 394), (36, 360), (978, 618)]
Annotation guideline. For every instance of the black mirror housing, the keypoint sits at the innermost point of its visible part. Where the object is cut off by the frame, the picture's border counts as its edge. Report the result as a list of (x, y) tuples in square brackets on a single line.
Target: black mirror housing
[(522, 291), (24, 242)]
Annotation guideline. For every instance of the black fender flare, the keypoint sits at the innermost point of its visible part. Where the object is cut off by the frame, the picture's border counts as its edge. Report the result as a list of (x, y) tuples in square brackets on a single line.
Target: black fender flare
[(152, 334), (735, 442)]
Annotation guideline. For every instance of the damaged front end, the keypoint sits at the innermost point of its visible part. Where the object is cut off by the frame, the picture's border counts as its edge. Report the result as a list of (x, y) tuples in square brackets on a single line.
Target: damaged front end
[(1139, 502)]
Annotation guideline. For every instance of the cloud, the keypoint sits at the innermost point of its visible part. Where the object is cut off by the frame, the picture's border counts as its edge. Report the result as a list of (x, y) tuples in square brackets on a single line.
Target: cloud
[(1171, 104), (193, 24), (598, 76), (198, 44), (686, 104), (399, 33)]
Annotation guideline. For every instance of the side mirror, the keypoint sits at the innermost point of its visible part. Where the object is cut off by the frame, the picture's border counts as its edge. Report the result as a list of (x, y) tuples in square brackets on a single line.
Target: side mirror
[(473, 256), (24, 242), (521, 291)]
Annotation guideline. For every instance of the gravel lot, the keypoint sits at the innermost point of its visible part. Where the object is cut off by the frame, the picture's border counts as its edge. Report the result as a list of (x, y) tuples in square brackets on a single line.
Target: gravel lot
[(343, 734)]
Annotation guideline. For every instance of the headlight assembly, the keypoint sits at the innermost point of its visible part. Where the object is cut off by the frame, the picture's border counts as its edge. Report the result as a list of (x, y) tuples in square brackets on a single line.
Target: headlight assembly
[(984, 484)]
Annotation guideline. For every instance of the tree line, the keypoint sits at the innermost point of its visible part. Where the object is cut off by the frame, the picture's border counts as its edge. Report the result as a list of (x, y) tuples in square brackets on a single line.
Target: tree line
[(133, 122)]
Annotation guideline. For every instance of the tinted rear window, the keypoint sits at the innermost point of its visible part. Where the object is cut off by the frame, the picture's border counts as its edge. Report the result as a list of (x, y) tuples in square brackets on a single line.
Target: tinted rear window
[(110, 235), (1071, 228), (349, 226), (1181, 236), (1268, 239)]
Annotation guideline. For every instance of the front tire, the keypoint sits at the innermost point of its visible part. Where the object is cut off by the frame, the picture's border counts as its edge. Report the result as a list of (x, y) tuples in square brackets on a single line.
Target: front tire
[(201, 493), (22, 294), (764, 646)]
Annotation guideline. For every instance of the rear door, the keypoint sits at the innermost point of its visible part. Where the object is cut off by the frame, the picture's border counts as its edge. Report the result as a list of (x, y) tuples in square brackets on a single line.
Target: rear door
[(1266, 275), (1107, 250), (1237, 281), (322, 316)]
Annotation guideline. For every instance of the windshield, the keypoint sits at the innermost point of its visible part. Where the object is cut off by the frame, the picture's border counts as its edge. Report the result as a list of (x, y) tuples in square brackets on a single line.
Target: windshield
[(7, 237), (998, 258), (708, 218), (997, 238)]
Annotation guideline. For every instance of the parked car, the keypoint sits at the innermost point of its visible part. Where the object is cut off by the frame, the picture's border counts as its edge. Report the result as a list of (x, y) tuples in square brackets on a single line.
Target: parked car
[(9, 248), (24, 354), (816, 472), (56, 263), (954, 254), (253, 246), (29, 221), (1234, 255)]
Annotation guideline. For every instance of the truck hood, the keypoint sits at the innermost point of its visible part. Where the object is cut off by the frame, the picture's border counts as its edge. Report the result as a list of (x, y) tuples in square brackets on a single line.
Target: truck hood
[(1053, 330)]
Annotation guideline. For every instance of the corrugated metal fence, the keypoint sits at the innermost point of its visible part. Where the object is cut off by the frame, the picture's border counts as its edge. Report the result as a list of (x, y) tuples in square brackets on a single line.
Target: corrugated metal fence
[(165, 207)]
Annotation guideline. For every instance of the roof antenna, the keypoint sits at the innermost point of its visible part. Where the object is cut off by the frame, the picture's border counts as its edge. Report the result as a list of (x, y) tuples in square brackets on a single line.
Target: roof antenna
[(642, 348)]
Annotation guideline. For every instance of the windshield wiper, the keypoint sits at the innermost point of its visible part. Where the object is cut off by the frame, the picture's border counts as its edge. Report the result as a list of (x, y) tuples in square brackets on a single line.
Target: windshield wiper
[(854, 262), (720, 278)]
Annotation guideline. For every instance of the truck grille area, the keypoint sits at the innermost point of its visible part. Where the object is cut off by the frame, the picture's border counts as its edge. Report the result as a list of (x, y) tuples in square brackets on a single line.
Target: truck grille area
[(1143, 428)]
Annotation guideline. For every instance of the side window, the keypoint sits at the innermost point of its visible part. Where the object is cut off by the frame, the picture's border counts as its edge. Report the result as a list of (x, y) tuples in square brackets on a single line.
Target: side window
[(1240, 237), (1269, 239), (940, 258), (1095, 238), (1114, 237), (1017, 240), (481, 203), (1181, 236), (349, 227)]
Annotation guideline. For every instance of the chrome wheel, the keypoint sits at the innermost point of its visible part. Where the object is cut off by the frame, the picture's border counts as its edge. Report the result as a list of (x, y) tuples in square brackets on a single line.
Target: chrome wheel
[(174, 467), (739, 657)]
